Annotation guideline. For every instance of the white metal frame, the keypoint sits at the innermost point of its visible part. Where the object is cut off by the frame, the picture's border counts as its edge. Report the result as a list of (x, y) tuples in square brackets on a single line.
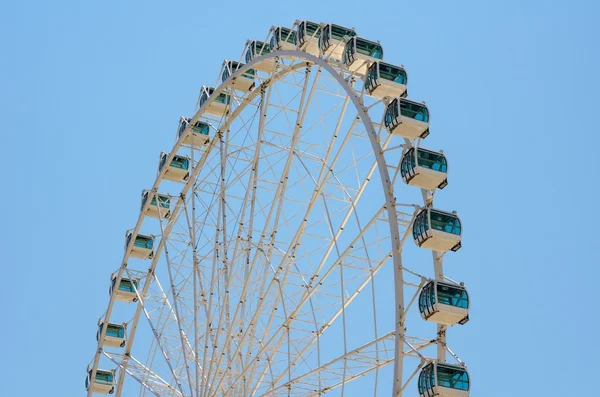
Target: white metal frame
[(153, 300)]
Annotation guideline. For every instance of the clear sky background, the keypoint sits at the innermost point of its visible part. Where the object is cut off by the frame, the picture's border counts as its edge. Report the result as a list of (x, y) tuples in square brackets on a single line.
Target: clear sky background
[(90, 93)]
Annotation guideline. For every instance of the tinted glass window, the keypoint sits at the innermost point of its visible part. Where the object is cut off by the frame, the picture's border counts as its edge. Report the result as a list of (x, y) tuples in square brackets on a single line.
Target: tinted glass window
[(180, 162), (308, 30), (421, 224), (223, 98), (115, 331), (182, 126), (431, 160), (391, 114), (452, 377), (125, 285), (371, 76), (392, 73), (426, 379), (338, 32), (369, 48), (164, 201), (414, 111), (408, 162), (427, 298), (143, 242), (104, 377), (288, 35), (445, 222), (453, 296), (200, 128), (203, 98), (262, 48)]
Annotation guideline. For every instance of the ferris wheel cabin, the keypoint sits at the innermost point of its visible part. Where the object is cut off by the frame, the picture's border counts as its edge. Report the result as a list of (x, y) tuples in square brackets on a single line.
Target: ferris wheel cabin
[(437, 230), (141, 247), (114, 336), (102, 383), (443, 380), (218, 107), (359, 53), (407, 119), (444, 303), (424, 168), (198, 135), (384, 80), (308, 37), (256, 49), (179, 168), (126, 290), (161, 205), (282, 39), (243, 82), (332, 40)]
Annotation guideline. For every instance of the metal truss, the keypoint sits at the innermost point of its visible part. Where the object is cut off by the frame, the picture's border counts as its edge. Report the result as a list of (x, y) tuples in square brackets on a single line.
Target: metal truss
[(275, 244)]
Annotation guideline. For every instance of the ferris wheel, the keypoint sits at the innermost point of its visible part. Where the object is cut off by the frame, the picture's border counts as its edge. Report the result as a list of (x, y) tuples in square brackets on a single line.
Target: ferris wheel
[(267, 258)]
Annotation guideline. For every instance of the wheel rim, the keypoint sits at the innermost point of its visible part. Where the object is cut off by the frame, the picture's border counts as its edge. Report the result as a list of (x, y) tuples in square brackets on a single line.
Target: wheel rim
[(270, 198)]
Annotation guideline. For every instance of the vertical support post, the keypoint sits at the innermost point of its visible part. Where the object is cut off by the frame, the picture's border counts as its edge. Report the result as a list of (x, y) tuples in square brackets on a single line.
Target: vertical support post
[(441, 329)]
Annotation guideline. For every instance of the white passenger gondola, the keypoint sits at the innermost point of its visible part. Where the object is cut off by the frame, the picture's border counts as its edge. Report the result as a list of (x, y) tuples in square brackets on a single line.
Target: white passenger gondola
[(443, 380), (255, 49), (407, 119), (243, 82), (161, 205), (360, 53), (444, 303), (179, 168), (332, 40), (424, 168), (103, 382), (198, 136), (437, 230), (141, 247), (282, 38), (114, 336), (219, 106), (308, 37), (126, 290), (384, 80)]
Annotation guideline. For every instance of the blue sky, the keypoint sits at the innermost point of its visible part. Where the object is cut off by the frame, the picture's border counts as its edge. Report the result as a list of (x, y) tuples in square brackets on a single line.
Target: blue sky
[(91, 92)]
